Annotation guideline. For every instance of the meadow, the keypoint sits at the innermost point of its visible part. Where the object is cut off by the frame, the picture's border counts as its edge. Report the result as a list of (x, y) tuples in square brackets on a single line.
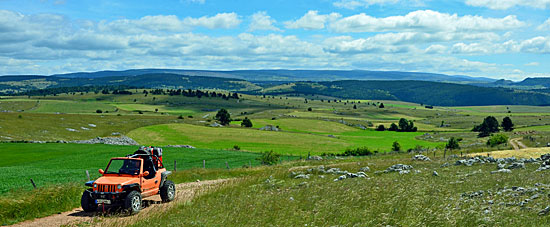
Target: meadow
[(53, 164)]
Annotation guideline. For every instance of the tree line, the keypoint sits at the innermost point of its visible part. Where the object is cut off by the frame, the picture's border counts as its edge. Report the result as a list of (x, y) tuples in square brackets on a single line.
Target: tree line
[(192, 93)]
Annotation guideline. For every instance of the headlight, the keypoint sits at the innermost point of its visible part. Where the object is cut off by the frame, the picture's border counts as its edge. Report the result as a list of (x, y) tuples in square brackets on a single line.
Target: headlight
[(95, 185), (119, 186)]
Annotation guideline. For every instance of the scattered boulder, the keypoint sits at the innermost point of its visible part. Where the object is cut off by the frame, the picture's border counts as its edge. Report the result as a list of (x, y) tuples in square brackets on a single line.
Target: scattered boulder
[(401, 168), (517, 165), (270, 128), (182, 146), (315, 158), (71, 130), (215, 124), (365, 169), (302, 176), (435, 174), (92, 125), (501, 171), (123, 140), (421, 158)]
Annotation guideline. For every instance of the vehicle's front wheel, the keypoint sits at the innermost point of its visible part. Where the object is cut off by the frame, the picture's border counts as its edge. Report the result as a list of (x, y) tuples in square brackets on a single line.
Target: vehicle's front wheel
[(168, 191), (132, 202), (87, 202)]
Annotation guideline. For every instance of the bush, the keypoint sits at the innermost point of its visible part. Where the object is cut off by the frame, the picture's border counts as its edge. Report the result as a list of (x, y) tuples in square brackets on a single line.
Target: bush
[(269, 158), (497, 139), (381, 128), (453, 144), (246, 123), (180, 117), (360, 151), (99, 111), (396, 146), (393, 127), (236, 147), (223, 117)]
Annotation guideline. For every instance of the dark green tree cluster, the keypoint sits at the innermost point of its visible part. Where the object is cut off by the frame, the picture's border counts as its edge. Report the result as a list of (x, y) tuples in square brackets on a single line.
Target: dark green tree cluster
[(360, 151), (490, 125), (193, 93), (223, 117), (406, 126), (79, 89), (246, 123)]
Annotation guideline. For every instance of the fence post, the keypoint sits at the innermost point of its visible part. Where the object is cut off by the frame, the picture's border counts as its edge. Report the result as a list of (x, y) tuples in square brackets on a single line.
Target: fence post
[(249, 163), (88, 175), (204, 164), (33, 184), (175, 166), (226, 165), (445, 153)]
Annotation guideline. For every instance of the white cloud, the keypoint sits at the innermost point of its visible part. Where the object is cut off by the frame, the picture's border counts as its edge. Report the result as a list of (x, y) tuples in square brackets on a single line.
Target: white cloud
[(507, 4), (312, 20), (532, 64), (435, 49), (425, 20), (197, 1), (262, 21), (352, 4), (544, 26), (220, 20)]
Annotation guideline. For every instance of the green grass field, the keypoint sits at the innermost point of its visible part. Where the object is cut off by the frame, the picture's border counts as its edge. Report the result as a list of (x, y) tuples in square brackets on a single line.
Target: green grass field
[(292, 143), (49, 164)]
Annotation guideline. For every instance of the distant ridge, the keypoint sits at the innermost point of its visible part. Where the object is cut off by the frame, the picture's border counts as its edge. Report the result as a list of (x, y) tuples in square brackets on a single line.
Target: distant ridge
[(290, 75)]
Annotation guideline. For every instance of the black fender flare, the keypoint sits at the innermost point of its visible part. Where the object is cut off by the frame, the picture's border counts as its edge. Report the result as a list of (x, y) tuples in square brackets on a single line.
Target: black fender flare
[(163, 177)]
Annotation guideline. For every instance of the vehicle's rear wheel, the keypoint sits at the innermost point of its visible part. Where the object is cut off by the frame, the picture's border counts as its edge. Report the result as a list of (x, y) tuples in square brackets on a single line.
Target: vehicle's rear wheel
[(168, 191), (132, 202), (87, 202)]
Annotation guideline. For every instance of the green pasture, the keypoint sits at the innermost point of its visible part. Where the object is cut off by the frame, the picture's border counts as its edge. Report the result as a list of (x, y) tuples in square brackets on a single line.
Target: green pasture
[(52, 127), (54, 163), (302, 125), (154, 108), (283, 142)]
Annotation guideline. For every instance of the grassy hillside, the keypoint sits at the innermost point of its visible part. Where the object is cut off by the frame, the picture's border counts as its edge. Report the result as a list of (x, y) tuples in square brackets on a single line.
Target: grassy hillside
[(299, 142)]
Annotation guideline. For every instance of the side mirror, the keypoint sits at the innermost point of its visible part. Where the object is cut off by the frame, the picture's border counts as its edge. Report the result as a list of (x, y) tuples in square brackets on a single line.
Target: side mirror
[(101, 171), (146, 173)]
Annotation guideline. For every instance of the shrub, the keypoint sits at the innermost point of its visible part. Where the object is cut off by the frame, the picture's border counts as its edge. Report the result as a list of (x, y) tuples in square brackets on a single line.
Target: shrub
[(380, 128), (396, 146), (236, 147), (360, 151), (309, 109), (393, 127), (497, 139), (180, 117), (269, 158), (99, 111), (246, 123), (453, 144), (223, 117)]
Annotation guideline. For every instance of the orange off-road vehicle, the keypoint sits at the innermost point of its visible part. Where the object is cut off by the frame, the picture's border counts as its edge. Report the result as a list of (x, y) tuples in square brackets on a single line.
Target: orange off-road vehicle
[(127, 180)]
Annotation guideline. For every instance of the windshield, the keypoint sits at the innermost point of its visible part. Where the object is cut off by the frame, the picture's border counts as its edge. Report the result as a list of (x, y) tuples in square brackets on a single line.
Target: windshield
[(123, 166)]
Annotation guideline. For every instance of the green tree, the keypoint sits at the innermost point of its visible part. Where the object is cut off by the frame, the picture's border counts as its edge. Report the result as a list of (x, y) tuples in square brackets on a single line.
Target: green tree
[(393, 127), (497, 139), (452, 144), (246, 123), (396, 146), (406, 126), (223, 117), (380, 128), (489, 125), (381, 105), (269, 158), (507, 124)]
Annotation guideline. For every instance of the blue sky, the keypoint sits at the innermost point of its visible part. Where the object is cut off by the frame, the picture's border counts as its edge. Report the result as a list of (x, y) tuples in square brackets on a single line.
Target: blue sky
[(507, 39)]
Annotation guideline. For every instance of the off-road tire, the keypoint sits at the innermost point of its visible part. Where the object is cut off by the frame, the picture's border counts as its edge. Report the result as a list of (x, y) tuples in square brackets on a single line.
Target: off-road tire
[(132, 202), (87, 202), (168, 191)]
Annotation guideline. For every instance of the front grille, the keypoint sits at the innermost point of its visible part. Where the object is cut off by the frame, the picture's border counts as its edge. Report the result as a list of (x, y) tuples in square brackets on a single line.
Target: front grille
[(106, 188)]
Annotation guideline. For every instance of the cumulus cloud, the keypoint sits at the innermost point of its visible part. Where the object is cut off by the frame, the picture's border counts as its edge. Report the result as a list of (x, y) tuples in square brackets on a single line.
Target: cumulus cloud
[(507, 4), (352, 4), (312, 20), (425, 20), (220, 20), (435, 49), (262, 21), (544, 26)]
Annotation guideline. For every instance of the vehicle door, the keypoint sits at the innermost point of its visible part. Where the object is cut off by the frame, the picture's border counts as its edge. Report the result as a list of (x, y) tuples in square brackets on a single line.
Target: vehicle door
[(149, 184)]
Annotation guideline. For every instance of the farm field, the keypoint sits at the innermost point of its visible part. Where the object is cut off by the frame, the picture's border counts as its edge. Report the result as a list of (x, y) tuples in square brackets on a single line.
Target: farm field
[(49, 164), (293, 143)]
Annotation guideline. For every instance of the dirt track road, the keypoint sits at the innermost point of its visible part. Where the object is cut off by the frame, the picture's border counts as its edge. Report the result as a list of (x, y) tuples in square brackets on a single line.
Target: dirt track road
[(517, 144), (185, 192)]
